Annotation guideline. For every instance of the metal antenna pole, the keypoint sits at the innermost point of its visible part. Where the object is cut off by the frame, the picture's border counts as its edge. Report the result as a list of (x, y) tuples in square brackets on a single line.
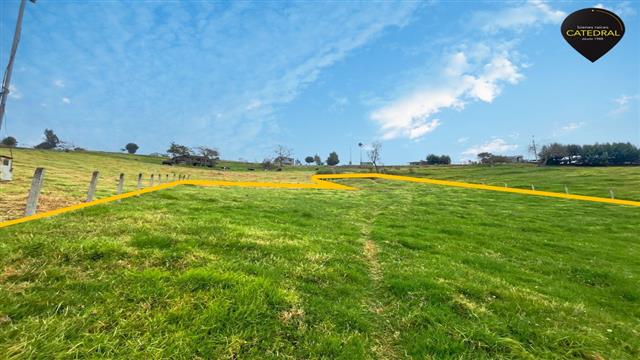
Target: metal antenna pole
[(4, 92)]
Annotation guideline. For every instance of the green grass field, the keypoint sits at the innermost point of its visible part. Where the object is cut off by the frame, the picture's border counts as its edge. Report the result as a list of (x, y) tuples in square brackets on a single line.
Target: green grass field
[(394, 270), (593, 181), (67, 176)]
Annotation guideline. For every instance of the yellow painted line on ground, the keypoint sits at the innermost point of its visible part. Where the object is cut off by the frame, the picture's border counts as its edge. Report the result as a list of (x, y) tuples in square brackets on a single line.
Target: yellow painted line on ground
[(318, 182), (480, 187)]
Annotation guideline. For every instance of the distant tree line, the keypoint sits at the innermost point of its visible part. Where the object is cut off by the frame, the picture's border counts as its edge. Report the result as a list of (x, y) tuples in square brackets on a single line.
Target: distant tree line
[(433, 159), (590, 155)]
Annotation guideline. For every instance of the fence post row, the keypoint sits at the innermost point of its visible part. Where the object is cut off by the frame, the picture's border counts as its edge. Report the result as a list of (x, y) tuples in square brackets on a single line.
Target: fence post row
[(151, 180), (139, 186), (34, 192), (92, 186)]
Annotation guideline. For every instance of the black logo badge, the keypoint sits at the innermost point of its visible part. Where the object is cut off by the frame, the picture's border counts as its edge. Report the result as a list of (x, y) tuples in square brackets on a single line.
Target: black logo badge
[(592, 32)]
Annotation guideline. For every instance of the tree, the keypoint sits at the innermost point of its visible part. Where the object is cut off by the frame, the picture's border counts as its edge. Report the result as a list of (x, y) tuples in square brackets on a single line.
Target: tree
[(131, 148), (209, 153), (309, 160), (51, 140), (374, 153), (433, 159), (267, 164), (212, 154), (590, 155), (177, 149), (317, 159), (333, 160), (552, 154), (484, 157), (283, 154), (9, 141)]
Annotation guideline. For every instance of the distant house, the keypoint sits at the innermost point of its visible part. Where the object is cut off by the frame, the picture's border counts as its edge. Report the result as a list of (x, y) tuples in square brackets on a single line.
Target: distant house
[(571, 160), (284, 160), (418, 163), (515, 159)]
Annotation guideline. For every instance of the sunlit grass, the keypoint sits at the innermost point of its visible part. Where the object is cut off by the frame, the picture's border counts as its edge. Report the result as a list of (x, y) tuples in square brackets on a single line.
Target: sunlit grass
[(391, 271)]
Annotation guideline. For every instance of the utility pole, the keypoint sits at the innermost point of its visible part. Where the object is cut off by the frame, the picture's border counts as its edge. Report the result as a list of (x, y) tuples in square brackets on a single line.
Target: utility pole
[(533, 146), (6, 81)]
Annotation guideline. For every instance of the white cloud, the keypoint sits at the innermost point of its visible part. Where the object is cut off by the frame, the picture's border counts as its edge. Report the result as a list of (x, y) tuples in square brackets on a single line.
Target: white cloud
[(473, 72), (462, 140), (532, 13), (486, 86), (66, 100), (572, 126), (338, 102), (621, 9), (14, 92), (409, 116), (58, 83), (496, 146), (623, 104), (254, 104)]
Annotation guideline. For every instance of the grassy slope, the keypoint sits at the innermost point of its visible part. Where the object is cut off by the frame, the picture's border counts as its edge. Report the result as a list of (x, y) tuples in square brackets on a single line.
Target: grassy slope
[(393, 270), (594, 181), (67, 176)]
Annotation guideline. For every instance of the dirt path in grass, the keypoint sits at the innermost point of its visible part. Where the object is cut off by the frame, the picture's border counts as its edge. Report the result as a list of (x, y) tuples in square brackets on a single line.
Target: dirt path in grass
[(383, 334)]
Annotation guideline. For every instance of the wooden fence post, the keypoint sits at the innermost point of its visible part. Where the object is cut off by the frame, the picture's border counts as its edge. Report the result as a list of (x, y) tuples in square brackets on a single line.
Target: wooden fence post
[(92, 186), (34, 192), (139, 186), (174, 176), (533, 187), (611, 193), (151, 180), (566, 189), (159, 179), (166, 178)]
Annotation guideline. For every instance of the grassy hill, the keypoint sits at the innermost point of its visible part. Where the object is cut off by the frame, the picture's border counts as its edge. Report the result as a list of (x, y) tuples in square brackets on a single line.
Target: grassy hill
[(394, 270), (593, 181), (67, 176)]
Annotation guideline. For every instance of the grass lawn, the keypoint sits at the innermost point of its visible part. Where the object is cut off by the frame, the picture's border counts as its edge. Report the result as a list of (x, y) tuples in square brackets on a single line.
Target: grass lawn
[(67, 176), (392, 271), (593, 181)]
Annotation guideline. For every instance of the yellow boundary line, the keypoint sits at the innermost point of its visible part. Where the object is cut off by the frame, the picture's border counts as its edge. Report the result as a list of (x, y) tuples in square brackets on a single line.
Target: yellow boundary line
[(318, 182)]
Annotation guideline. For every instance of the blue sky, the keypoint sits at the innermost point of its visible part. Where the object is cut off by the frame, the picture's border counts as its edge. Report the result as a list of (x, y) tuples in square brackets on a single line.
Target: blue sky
[(446, 77)]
